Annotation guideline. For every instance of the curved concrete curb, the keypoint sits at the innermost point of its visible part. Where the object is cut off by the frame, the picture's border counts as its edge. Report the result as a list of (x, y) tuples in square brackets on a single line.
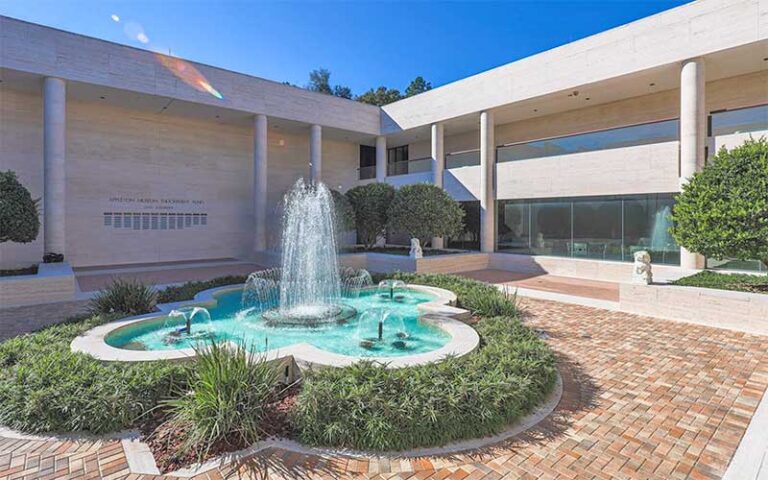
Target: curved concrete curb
[(439, 312)]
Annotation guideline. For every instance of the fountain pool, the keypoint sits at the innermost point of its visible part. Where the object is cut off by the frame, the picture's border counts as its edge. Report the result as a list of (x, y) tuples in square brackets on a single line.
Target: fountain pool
[(310, 308), (231, 322)]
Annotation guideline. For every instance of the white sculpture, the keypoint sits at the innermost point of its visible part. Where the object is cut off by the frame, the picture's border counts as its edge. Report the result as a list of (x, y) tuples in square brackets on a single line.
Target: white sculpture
[(415, 249), (641, 270)]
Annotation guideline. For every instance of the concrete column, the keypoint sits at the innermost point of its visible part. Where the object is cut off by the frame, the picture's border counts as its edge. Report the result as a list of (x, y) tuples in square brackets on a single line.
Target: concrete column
[(487, 183), (315, 153), (693, 134), (54, 164), (260, 181), (381, 158), (438, 164)]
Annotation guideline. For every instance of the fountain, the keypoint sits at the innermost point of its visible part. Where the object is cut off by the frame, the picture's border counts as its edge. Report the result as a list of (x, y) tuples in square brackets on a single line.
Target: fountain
[(308, 288), (391, 290), (182, 321), (381, 325)]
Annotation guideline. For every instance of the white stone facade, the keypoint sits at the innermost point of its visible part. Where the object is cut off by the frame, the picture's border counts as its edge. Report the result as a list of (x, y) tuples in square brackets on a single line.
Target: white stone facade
[(96, 129)]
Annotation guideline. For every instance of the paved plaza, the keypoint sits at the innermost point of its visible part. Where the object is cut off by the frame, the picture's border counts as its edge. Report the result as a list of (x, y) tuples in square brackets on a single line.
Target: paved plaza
[(643, 398)]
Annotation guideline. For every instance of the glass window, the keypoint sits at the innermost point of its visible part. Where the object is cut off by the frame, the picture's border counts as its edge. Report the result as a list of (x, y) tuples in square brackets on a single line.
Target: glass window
[(597, 229), (367, 162), (462, 159), (397, 160), (550, 228), (644, 134), (470, 237), (603, 228), (513, 227), (743, 120), (646, 227)]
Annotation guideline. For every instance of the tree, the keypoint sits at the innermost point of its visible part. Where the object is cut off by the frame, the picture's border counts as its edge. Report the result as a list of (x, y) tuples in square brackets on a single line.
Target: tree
[(723, 210), (19, 218), (343, 92), (380, 96), (345, 214), (371, 203), (424, 211), (320, 81), (418, 85)]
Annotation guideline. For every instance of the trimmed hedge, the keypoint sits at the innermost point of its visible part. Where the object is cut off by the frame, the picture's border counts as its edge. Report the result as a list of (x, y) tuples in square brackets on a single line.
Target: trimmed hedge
[(742, 282), (482, 299), (370, 407), (45, 387), (188, 290)]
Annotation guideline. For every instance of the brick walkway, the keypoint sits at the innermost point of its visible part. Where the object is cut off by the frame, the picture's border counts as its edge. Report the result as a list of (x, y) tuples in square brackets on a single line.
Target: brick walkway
[(644, 398)]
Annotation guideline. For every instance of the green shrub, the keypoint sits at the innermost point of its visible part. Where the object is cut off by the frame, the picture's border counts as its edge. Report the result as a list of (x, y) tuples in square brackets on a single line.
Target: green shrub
[(229, 391), (370, 407), (345, 214), (19, 218), (423, 211), (726, 281), (45, 387), (723, 210), (482, 299), (371, 203), (130, 297), (188, 290)]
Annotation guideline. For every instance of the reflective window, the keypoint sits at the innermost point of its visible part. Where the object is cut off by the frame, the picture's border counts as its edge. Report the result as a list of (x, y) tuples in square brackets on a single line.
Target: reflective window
[(397, 160), (462, 159), (367, 165), (644, 134), (604, 228), (743, 120)]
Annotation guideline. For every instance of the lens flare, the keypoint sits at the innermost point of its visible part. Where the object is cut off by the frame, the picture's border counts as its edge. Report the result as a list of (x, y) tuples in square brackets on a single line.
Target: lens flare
[(188, 74), (181, 69)]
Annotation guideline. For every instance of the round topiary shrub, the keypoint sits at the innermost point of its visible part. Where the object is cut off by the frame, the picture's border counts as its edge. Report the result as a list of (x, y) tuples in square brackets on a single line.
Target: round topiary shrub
[(345, 214), (371, 203), (723, 210), (19, 218), (425, 211)]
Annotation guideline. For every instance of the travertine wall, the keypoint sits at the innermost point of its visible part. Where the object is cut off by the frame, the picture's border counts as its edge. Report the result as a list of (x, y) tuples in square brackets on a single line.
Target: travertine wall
[(21, 150), (125, 160), (638, 169)]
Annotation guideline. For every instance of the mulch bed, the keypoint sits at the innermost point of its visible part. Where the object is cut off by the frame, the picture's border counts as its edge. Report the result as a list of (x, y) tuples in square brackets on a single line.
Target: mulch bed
[(166, 441)]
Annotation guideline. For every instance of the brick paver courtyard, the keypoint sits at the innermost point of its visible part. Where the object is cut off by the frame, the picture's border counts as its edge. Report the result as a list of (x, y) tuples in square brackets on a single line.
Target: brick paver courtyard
[(644, 398)]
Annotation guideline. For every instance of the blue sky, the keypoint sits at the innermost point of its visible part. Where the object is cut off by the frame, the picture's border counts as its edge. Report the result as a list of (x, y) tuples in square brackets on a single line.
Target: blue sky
[(363, 44)]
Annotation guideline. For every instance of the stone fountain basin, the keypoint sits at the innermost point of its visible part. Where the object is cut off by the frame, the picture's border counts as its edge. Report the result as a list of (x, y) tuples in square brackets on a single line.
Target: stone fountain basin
[(440, 312)]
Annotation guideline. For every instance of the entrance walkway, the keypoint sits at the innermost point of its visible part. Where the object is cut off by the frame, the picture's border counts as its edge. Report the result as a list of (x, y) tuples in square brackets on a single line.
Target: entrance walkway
[(644, 398), (578, 287)]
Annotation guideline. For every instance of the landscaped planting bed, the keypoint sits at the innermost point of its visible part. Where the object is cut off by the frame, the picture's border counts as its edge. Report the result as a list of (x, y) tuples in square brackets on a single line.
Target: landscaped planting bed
[(741, 282), (219, 403)]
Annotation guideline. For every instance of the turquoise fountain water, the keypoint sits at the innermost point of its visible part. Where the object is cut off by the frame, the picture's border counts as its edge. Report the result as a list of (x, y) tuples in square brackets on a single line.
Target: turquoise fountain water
[(310, 299)]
